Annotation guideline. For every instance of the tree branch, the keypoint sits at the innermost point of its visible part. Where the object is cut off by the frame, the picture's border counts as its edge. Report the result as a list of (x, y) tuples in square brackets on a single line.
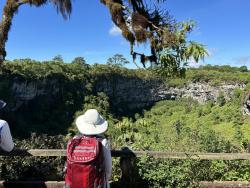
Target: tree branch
[(22, 2)]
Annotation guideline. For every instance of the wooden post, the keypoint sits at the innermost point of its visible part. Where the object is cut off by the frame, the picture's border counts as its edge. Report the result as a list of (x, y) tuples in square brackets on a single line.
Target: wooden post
[(128, 168), (224, 184), (4, 171)]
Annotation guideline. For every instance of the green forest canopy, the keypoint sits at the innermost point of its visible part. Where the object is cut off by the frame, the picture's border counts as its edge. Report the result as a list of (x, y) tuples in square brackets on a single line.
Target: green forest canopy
[(182, 125)]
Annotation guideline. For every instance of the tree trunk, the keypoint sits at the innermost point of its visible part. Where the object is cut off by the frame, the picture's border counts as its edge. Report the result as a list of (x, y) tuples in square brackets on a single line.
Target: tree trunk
[(11, 7), (9, 10)]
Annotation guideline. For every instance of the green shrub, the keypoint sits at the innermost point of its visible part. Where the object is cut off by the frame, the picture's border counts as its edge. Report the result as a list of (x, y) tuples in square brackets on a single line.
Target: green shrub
[(221, 99)]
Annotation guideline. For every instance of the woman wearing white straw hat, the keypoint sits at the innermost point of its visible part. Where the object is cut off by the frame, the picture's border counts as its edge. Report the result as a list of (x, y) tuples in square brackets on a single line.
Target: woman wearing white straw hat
[(89, 162), (6, 142)]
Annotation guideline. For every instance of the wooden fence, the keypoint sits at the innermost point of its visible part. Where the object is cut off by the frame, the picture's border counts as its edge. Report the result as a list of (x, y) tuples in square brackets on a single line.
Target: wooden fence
[(129, 153), (126, 162)]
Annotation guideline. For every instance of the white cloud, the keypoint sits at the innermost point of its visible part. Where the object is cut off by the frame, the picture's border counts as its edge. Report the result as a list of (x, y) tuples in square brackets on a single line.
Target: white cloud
[(194, 64), (115, 31), (212, 51), (243, 60)]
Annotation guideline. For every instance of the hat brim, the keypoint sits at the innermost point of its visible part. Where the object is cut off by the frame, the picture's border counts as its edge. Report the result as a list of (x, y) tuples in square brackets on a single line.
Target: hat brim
[(90, 129)]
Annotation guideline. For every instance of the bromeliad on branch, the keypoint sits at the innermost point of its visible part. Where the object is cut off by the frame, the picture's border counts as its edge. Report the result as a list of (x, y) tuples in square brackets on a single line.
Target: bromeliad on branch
[(140, 23)]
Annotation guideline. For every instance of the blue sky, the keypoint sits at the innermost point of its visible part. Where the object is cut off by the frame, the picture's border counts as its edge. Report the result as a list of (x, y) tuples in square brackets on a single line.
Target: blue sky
[(40, 33)]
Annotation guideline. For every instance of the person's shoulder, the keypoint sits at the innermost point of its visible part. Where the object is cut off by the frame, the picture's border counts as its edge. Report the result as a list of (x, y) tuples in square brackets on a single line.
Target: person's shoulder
[(104, 141), (3, 123)]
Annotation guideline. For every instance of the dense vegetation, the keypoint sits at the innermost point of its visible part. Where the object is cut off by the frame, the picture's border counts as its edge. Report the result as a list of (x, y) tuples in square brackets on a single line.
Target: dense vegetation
[(182, 125), (215, 75), (66, 85)]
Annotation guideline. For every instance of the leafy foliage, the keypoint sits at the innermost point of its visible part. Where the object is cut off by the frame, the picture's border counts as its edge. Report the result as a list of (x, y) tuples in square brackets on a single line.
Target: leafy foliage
[(186, 125), (34, 168), (58, 58), (182, 125), (143, 21), (11, 8), (79, 61), (215, 75), (221, 99), (117, 60)]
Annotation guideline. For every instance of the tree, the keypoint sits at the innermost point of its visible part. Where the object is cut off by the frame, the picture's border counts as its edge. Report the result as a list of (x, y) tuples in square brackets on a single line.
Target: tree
[(221, 99), (79, 60), (11, 8), (243, 69), (58, 58), (142, 21), (174, 62), (80, 64), (117, 59)]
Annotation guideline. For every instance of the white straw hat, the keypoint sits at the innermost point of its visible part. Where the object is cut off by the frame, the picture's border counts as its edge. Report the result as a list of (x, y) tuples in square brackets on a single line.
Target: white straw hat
[(91, 123)]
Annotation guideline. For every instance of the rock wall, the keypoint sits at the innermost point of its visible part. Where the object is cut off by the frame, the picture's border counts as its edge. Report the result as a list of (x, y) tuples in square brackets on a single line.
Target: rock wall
[(24, 91), (137, 93), (41, 105), (246, 105), (203, 92), (129, 92), (48, 105), (132, 92)]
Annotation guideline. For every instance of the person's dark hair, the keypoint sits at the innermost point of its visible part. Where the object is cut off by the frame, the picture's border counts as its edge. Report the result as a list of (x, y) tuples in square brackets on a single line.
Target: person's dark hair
[(2, 104)]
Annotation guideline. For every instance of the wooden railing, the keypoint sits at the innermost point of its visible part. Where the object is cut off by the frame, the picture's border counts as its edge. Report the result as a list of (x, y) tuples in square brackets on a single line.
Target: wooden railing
[(126, 161), (129, 153)]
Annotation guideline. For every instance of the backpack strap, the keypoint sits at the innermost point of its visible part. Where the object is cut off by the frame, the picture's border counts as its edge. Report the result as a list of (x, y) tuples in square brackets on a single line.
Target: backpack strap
[(1, 133)]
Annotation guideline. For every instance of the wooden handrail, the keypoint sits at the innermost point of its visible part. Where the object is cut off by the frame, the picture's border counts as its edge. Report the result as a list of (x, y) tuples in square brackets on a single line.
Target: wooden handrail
[(59, 184), (126, 162), (127, 153)]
